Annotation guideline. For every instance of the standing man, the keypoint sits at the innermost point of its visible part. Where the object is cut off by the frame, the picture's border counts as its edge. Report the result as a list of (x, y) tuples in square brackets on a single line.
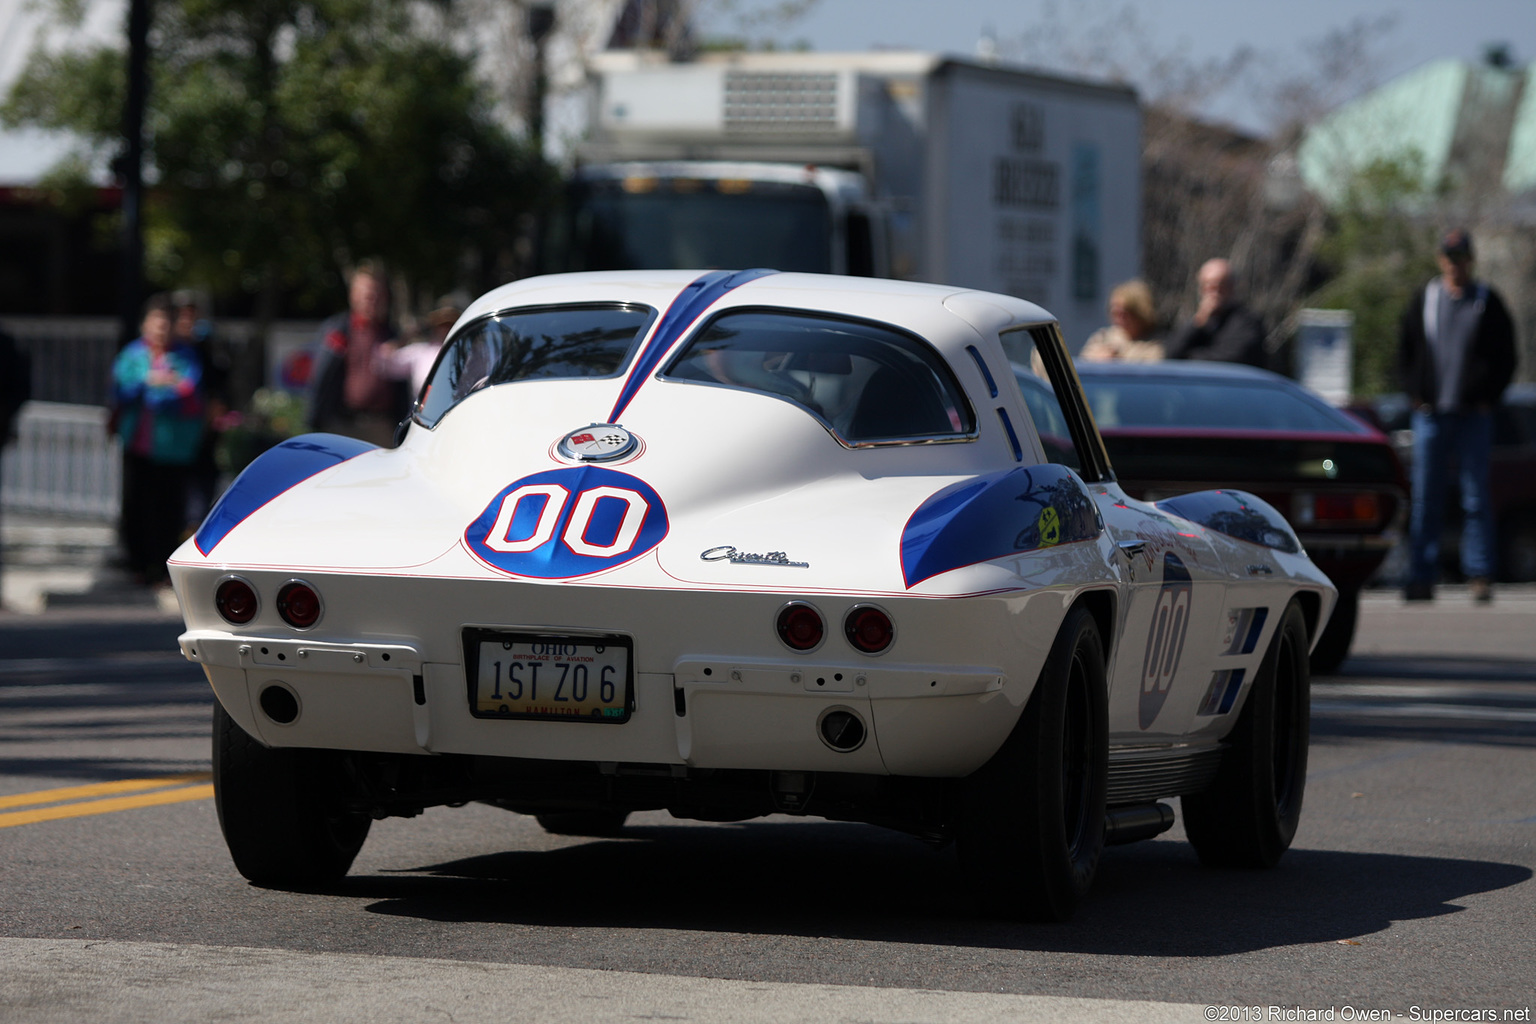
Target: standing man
[(1223, 330), (1456, 355), (348, 392)]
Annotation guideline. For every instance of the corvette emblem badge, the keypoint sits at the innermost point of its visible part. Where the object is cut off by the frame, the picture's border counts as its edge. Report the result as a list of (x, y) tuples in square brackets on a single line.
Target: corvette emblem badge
[(598, 442), (727, 553)]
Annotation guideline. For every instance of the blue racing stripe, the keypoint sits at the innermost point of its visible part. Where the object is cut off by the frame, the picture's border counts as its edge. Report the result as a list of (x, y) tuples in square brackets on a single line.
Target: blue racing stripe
[(992, 516), (274, 472), (692, 301)]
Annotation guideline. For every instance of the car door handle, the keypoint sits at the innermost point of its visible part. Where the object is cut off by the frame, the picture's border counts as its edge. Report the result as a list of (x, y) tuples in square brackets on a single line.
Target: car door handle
[(1260, 570), (1132, 548)]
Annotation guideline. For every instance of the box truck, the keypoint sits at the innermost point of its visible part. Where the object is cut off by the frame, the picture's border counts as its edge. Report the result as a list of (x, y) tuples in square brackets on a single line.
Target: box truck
[(888, 164)]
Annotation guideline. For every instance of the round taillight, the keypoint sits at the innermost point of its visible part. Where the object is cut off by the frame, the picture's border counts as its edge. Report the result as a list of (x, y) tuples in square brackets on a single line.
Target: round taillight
[(298, 604), (800, 627), (236, 601), (869, 629)]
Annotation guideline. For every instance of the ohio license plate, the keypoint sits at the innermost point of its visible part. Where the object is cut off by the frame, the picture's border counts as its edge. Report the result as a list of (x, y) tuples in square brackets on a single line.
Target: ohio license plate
[(555, 677)]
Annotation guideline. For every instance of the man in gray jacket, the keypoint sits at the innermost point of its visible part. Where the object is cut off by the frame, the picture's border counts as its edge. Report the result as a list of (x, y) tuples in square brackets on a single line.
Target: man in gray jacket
[(1456, 355)]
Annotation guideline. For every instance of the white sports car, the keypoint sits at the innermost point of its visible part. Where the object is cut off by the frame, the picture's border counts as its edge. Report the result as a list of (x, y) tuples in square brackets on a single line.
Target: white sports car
[(738, 543)]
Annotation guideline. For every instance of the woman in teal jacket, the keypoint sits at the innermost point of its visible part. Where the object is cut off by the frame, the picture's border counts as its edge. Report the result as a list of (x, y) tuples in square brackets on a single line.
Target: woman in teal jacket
[(157, 411)]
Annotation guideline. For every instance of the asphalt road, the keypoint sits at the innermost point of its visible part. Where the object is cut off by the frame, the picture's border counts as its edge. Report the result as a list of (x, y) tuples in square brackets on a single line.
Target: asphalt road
[(1410, 884)]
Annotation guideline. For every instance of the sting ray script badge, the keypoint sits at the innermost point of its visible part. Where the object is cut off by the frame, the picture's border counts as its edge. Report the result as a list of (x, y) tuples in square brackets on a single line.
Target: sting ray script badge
[(726, 552)]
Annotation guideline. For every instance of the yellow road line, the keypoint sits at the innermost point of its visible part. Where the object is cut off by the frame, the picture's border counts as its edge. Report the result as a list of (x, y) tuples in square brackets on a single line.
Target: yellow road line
[(54, 796), (121, 803)]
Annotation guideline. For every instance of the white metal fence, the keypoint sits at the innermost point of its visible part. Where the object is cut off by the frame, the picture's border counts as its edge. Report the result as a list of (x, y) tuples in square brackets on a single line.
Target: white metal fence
[(63, 463)]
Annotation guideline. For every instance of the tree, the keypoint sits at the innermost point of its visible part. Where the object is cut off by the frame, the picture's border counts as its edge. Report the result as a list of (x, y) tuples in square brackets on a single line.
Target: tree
[(1210, 189), (290, 138), (1380, 246)]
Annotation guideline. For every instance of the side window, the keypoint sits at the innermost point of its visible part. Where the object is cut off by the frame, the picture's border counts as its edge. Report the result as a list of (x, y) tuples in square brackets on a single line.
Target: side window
[(1040, 398)]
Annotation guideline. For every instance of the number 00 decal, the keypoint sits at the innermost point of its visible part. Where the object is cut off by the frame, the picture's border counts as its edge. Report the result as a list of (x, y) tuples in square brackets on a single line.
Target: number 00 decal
[(568, 522), (1165, 638)]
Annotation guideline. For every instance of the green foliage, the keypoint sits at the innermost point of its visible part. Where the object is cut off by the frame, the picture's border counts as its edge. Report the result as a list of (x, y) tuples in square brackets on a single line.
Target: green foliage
[(1379, 248), (80, 92), (271, 418), (292, 137)]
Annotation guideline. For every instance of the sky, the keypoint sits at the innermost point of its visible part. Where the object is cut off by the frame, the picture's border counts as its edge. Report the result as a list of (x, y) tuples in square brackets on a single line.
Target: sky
[(1281, 32)]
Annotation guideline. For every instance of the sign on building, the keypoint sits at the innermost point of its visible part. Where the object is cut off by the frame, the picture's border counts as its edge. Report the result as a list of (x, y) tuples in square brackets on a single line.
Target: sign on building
[(1325, 351)]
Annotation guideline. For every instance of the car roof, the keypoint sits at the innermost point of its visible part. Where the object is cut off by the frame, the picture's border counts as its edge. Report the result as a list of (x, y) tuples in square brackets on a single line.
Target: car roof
[(945, 315), (1235, 375)]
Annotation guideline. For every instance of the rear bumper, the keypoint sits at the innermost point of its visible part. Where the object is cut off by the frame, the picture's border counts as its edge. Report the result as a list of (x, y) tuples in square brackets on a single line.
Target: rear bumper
[(726, 713)]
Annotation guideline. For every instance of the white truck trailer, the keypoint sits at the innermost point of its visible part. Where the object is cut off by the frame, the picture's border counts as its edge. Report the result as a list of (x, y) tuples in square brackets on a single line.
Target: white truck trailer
[(889, 164)]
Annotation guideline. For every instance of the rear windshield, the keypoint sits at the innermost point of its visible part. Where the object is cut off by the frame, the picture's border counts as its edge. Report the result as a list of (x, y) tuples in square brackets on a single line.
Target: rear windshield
[(532, 344), (865, 382), (1225, 405)]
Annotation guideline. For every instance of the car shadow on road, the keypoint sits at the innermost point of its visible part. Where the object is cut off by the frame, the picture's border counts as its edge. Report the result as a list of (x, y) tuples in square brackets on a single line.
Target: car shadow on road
[(1451, 698), (1430, 729), (1456, 668), (819, 879)]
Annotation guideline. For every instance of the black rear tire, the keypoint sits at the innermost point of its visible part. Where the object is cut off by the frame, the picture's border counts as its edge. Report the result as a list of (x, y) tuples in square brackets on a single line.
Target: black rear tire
[(1333, 646), (582, 823), (282, 810), (1248, 817), (1032, 818)]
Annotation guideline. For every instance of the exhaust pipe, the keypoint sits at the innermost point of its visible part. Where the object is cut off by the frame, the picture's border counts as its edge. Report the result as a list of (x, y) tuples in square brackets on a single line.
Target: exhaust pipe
[(841, 729), (1136, 822), (279, 704)]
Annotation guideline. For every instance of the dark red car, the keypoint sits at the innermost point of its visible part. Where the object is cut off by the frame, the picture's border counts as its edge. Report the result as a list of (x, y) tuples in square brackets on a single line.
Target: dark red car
[(1180, 426)]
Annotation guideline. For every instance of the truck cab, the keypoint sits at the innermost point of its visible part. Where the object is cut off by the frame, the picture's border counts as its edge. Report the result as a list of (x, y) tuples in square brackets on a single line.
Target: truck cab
[(720, 214)]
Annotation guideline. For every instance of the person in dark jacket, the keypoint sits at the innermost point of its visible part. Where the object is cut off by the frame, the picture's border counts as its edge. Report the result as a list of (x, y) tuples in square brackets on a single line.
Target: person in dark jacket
[(350, 392), (1456, 355), (15, 385), (1223, 329)]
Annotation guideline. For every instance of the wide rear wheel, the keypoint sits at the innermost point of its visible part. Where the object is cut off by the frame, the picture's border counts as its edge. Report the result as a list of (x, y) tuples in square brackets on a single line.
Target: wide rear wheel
[(1032, 818), (282, 810), (1249, 815)]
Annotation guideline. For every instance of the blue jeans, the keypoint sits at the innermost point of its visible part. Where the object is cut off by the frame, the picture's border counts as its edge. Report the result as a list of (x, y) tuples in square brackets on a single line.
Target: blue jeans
[(1438, 439)]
